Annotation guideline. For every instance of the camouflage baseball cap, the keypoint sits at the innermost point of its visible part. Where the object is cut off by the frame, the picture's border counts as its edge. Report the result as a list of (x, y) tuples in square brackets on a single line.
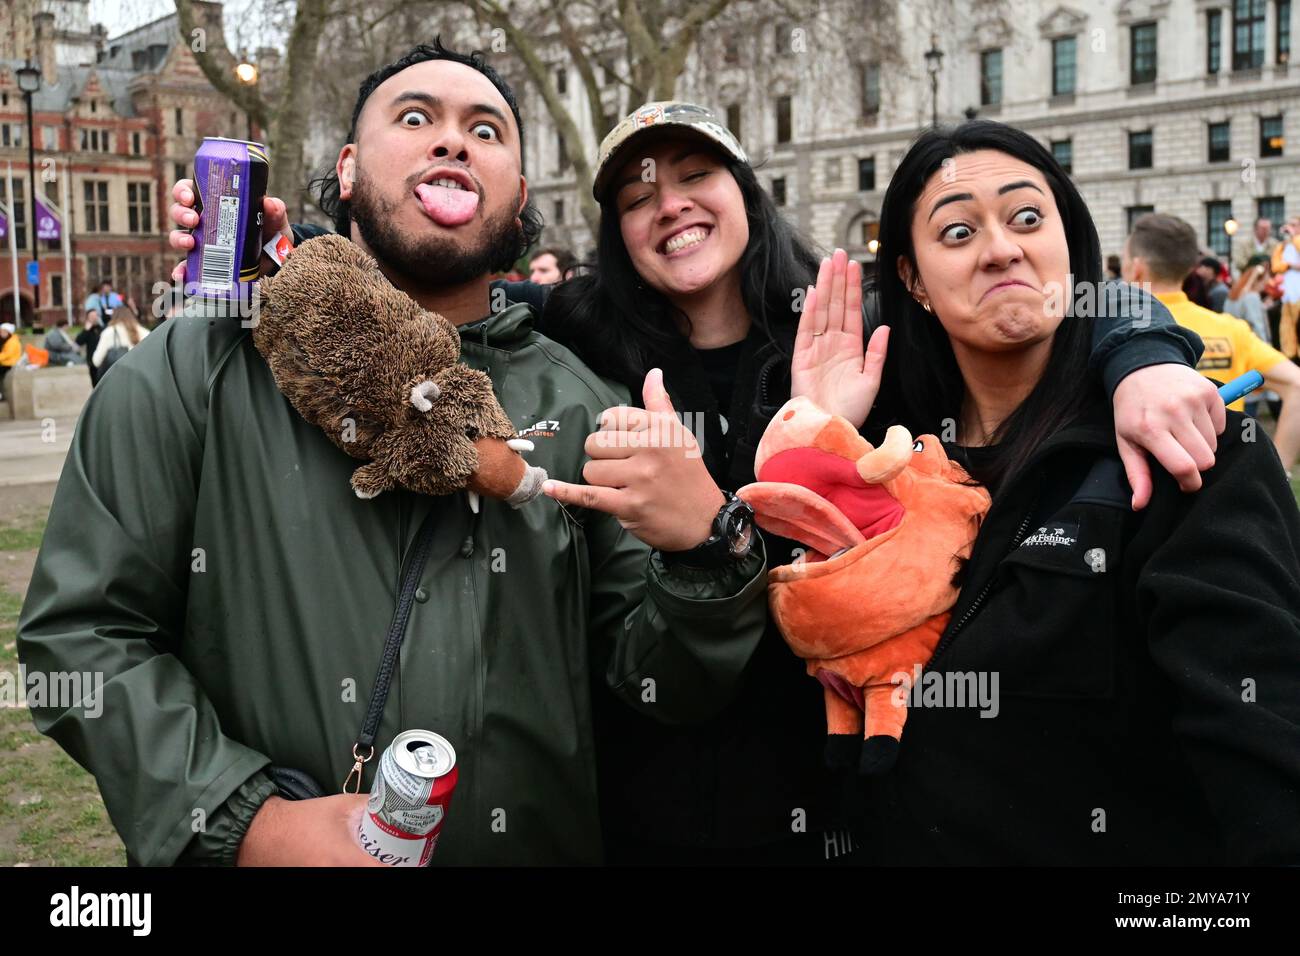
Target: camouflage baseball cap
[(685, 117)]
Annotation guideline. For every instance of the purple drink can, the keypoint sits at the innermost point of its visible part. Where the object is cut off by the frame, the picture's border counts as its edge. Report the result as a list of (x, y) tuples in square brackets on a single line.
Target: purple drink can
[(230, 177)]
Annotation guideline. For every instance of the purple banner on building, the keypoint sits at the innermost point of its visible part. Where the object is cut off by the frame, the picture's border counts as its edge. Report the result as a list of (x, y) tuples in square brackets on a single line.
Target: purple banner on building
[(47, 221), (4, 226)]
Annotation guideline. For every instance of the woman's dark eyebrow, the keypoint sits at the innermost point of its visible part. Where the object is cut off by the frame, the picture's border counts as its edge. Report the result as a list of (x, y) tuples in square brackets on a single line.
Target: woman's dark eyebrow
[(1021, 184), (676, 160), (966, 197)]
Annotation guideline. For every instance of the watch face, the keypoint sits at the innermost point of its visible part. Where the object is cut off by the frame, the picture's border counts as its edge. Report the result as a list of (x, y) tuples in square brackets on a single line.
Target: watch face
[(740, 533)]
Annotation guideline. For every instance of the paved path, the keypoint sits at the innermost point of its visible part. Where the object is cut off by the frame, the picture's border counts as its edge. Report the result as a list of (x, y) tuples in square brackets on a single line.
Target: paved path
[(32, 452)]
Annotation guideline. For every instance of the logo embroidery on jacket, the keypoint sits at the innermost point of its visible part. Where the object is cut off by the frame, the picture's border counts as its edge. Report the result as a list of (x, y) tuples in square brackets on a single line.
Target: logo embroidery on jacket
[(543, 429), (1051, 538)]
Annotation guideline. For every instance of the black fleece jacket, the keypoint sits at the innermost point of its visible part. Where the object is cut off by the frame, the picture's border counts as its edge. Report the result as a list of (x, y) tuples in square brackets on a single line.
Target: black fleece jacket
[(1148, 665)]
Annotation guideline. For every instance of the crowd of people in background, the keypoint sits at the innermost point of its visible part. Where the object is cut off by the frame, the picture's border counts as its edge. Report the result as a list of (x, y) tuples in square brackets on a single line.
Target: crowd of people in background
[(111, 325), (1260, 286)]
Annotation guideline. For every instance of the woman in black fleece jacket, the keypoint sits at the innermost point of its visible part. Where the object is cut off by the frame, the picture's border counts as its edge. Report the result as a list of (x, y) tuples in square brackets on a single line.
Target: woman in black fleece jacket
[(749, 785), (1137, 673)]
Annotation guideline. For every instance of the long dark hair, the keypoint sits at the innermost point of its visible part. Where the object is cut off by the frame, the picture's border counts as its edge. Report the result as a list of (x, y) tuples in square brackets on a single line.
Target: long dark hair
[(922, 385), (622, 328)]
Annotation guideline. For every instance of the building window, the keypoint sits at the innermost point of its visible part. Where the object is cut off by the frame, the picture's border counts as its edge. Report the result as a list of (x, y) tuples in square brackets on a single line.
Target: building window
[(50, 137), (1063, 153), (1216, 214), (558, 208), (95, 193), (561, 154), (1248, 34), (870, 89), (834, 171), (1273, 208), (56, 289), (1213, 41), (1133, 213), (135, 144), (867, 175), (870, 232), (95, 140), (561, 80), (1271, 139), (1139, 150), (778, 190), (98, 268), (11, 134), (180, 121), (733, 120), (1064, 63), (731, 49), (783, 37), (1283, 31), (139, 207), (783, 121), (17, 210), (990, 77), (1220, 142), (1142, 54)]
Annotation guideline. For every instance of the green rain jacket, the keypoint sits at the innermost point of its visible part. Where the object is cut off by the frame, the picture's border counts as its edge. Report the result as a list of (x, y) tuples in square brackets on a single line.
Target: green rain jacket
[(206, 554)]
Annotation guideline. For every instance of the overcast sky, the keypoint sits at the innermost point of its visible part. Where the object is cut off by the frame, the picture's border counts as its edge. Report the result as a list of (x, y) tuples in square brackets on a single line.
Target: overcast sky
[(123, 15)]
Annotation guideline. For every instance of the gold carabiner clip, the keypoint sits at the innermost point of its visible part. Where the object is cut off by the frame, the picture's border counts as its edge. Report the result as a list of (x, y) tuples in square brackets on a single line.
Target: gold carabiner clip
[(356, 768)]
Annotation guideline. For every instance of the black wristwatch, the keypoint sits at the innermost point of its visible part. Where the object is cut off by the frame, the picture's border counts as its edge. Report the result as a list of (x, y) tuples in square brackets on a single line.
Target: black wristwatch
[(732, 538)]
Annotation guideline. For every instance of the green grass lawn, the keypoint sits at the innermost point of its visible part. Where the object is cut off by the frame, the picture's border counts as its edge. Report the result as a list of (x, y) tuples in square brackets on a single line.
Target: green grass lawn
[(50, 810)]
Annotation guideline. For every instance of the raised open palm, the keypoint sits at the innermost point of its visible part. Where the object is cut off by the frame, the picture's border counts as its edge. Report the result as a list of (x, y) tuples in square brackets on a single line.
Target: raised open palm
[(829, 366)]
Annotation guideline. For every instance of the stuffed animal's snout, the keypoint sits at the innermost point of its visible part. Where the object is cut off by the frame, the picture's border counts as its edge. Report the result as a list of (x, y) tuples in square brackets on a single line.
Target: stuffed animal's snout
[(503, 473)]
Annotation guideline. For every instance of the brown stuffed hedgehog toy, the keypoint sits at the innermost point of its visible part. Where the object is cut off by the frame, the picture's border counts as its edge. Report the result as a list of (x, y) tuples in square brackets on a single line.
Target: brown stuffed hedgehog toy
[(380, 376)]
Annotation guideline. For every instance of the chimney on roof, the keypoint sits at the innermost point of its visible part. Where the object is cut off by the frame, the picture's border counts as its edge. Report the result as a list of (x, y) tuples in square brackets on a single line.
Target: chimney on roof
[(45, 53)]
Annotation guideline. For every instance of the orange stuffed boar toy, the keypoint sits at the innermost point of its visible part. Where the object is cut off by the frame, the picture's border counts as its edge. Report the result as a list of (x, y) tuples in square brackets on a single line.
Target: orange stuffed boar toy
[(886, 530)]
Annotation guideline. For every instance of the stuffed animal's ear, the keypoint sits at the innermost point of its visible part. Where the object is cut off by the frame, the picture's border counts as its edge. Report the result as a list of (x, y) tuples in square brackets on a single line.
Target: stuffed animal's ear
[(422, 393)]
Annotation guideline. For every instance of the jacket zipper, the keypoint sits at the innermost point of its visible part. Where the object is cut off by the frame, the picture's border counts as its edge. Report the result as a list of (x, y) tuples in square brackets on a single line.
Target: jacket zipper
[(947, 639)]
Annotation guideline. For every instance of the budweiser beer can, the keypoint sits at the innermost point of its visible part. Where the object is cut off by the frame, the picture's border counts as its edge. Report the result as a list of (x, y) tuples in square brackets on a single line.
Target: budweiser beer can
[(409, 800), (230, 178)]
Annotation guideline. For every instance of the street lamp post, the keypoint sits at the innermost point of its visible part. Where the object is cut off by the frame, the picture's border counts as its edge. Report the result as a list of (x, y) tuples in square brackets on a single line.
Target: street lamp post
[(934, 63), (29, 81)]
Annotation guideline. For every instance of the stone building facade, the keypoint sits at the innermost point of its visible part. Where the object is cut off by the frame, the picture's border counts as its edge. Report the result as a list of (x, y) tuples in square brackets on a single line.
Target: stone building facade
[(1182, 106), (121, 119)]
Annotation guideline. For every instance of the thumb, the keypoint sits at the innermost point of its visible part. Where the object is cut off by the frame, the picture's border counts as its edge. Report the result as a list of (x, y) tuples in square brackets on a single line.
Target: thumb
[(275, 218), (1138, 470), (653, 394)]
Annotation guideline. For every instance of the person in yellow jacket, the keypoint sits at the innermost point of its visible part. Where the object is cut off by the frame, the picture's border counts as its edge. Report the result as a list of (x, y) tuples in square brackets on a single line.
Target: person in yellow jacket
[(1160, 251), (1286, 263), (11, 350)]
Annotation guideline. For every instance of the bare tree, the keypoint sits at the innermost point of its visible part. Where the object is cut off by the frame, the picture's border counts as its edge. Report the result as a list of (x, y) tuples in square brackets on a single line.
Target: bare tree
[(283, 109), (640, 45)]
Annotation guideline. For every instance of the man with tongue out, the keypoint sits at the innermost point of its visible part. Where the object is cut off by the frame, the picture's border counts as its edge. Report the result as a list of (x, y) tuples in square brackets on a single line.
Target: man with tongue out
[(236, 594)]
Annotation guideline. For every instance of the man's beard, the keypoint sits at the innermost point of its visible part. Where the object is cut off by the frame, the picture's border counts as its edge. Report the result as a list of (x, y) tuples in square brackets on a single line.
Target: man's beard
[(431, 260)]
